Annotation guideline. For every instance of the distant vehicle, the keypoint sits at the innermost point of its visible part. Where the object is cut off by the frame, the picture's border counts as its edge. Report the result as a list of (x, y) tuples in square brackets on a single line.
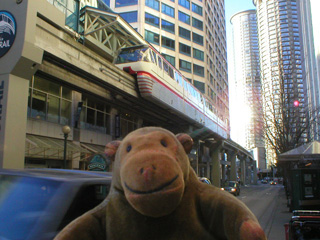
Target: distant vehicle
[(38, 203), (204, 180), (232, 187), (273, 183), (264, 181)]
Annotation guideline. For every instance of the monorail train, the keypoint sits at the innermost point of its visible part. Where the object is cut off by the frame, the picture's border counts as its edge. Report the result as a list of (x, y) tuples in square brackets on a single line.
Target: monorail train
[(161, 83)]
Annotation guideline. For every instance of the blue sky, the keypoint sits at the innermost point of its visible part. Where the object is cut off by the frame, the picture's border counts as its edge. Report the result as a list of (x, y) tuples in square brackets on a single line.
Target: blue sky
[(232, 7)]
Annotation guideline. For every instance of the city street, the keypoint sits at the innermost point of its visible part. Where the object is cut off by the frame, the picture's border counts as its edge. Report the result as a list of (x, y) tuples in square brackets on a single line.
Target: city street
[(268, 203)]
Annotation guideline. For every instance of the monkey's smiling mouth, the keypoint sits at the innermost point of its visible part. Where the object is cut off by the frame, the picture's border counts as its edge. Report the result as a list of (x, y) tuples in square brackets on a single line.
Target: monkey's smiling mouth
[(152, 190)]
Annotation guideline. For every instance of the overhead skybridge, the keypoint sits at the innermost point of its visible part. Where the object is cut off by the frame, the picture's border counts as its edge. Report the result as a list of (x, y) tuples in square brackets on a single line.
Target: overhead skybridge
[(107, 31)]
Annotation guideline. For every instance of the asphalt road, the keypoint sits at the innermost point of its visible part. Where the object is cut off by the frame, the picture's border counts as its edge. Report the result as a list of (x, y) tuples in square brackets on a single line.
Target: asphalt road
[(268, 203)]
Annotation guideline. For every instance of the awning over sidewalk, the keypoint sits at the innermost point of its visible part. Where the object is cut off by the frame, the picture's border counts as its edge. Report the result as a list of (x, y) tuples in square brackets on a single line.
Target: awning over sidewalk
[(309, 151), (97, 149), (53, 148)]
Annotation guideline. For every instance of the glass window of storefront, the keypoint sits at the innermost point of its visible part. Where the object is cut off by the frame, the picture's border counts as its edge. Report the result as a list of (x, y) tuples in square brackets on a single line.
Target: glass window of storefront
[(95, 114), (49, 101), (128, 123)]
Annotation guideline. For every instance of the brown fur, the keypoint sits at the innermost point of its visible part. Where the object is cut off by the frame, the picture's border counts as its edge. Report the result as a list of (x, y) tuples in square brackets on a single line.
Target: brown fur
[(155, 194)]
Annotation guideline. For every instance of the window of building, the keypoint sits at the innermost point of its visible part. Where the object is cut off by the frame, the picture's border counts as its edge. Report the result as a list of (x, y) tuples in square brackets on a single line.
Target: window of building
[(167, 26), (167, 42), (184, 33), (153, 4), (196, 38), (123, 3), (94, 114), (184, 65), (197, 23), (185, 49), (196, 9), (128, 123), (152, 20), (167, 10), (152, 37), (184, 3), (107, 2), (199, 86), (49, 101), (71, 12), (130, 17), (198, 70), (170, 59), (184, 18), (198, 54)]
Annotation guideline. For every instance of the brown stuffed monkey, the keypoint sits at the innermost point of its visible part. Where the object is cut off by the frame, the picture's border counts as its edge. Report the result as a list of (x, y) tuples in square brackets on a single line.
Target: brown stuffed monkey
[(155, 194)]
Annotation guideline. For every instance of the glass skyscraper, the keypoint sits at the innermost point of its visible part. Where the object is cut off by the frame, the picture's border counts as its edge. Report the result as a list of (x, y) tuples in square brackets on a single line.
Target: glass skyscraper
[(282, 71), (247, 83)]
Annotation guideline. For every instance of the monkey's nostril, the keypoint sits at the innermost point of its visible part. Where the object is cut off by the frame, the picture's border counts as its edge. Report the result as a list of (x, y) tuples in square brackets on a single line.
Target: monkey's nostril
[(154, 167), (141, 170)]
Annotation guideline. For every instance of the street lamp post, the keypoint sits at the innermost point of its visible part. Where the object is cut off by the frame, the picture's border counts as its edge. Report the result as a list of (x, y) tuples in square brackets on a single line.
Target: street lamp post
[(66, 130)]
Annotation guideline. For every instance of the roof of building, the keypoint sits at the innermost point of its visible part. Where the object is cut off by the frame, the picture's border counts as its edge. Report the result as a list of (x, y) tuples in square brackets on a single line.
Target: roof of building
[(304, 152)]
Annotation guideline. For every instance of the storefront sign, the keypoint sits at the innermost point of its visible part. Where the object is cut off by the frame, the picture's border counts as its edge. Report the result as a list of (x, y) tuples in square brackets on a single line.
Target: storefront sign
[(97, 163), (7, 32)]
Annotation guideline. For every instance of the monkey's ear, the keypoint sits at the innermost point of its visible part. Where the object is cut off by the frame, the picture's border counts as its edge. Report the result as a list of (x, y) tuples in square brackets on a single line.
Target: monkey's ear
[(111, 149), (186, 141)]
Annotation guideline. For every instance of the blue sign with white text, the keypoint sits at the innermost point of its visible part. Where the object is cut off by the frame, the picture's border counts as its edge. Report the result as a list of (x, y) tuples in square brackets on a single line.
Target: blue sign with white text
[(7, 32)]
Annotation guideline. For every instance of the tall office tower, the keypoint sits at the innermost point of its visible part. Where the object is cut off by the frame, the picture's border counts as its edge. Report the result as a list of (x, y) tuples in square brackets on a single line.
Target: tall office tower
[(283, 85), (247, 83), (310, 25), (191, 35)]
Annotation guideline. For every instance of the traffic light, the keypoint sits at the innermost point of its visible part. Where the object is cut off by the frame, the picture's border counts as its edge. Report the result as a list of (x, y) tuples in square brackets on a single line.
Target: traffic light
[(296, 103)]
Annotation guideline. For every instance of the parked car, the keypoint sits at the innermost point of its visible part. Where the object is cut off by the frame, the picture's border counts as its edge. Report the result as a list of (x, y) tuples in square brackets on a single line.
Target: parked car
[(232, 187), (204, 180), (273, 183), (38, 203)]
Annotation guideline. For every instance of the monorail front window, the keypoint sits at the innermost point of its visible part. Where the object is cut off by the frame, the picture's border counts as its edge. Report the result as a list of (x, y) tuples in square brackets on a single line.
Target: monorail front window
[(133, 55)]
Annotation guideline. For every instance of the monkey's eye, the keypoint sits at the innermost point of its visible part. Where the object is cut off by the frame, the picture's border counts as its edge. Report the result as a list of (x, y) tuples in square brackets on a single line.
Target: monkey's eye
[(129, 147), (163, 143)]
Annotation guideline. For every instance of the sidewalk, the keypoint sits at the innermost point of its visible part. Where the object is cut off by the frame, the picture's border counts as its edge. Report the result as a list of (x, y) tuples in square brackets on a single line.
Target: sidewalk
[(281, 216)]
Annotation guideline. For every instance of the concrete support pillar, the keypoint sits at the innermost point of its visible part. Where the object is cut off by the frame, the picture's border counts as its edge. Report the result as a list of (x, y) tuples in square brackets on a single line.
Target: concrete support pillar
[(216, 170), (19, 60), (250, 177), (13, 120), (243, 171), (223, 171), (255, 177), (233, 171)]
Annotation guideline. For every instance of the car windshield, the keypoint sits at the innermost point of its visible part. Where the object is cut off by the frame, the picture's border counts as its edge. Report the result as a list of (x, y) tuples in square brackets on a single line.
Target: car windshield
[(132, 55), (23, 201), (232, 184)]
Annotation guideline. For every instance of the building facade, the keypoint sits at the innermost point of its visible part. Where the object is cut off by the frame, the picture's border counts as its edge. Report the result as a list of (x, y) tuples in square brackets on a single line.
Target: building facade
[(310, 23), (282, 75), (191, 35), (246, 76)]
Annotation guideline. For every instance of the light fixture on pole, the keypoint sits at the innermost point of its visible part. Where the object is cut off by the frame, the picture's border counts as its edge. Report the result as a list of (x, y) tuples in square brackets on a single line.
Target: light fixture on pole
[(66, 130)]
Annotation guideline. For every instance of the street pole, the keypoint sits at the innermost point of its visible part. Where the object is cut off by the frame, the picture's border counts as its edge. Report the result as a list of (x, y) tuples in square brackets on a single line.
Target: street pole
[(65, 151), (66, 130)]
